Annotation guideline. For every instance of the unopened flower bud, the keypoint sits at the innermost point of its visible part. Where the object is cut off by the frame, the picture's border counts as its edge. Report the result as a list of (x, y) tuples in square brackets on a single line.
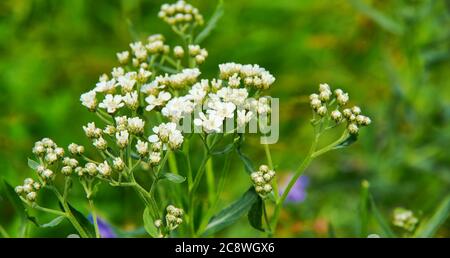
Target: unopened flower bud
[(356, 110), (322, 111), (264, 168), (118, 164), (353, 128), (19, 189), (336, 116), (31, 196)]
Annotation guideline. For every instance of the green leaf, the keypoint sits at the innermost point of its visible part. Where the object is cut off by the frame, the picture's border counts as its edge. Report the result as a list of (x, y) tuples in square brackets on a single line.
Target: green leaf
[(430, 227), (388, 232), (225, 150), (173, 178), (364, 209), (255, 214), (212, 23), (18, 205), (247, 162), (33, 164), (14, 199), (352, 138), (378, 17), (232, 213), (165, 68), (54, 222), (149, 224), (84, 222)]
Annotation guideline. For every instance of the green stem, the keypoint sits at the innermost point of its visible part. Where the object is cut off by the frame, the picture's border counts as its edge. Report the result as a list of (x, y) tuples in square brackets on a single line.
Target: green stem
[(220, 187), (210, 179), (186, 151), (51, 211), (266, 219), (3, 232), (270, 163), (68, 213), (299, 171), (94, 217), (330, 146)]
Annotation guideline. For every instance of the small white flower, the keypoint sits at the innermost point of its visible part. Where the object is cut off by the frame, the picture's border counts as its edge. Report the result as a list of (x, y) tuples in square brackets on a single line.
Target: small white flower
[(117, 72), (112, 103), (154, 158), (142, 147), (177, 108), (178, 51), (136, 125), (105, 86), (92, 131), (104, 169), (243, 117), (210, 123), (122, 138), (100, 143), (88, 100), (118, 164), (123, 57), (91, 168), (143, 74), (222, 109), (127, 82), (234, 81), (175, 139), (131, 100), (153, 138), (198, 92), (153, 101)]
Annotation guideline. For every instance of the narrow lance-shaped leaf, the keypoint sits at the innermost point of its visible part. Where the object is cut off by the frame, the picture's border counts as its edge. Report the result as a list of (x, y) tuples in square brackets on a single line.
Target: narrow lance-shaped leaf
[(430, 227), (352, 138), (247, 162), (387, 231), (149, 224), (255, 214), (32, 164), (18, 205), (378, 17), (364, 209), (212, 23), (173, 178), (83, 221), (232, 213), (55, 222)]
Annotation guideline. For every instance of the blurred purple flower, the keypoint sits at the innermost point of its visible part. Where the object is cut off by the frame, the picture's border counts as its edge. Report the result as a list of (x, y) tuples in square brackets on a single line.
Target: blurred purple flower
[(298, 191), (104, 228)]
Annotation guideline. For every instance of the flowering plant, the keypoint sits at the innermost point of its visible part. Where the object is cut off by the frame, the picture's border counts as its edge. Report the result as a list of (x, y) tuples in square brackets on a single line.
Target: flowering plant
[(155, 110)]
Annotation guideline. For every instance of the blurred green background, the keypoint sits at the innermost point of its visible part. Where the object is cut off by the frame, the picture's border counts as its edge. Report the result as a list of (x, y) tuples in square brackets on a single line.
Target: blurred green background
[(393, 57)]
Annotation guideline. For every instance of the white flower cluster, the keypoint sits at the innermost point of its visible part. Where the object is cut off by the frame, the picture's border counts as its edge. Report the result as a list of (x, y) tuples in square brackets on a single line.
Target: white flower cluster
[(180, 13), (405, 219), (324, 100), (173, 217), (261, 179), (166, 133), (250, 75), (199, 54), (48, 150), (29, 189), (121, 88)]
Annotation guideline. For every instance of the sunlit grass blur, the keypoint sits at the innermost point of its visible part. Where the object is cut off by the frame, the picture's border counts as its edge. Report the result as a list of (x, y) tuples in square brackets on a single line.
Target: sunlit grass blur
[(393, 57)]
